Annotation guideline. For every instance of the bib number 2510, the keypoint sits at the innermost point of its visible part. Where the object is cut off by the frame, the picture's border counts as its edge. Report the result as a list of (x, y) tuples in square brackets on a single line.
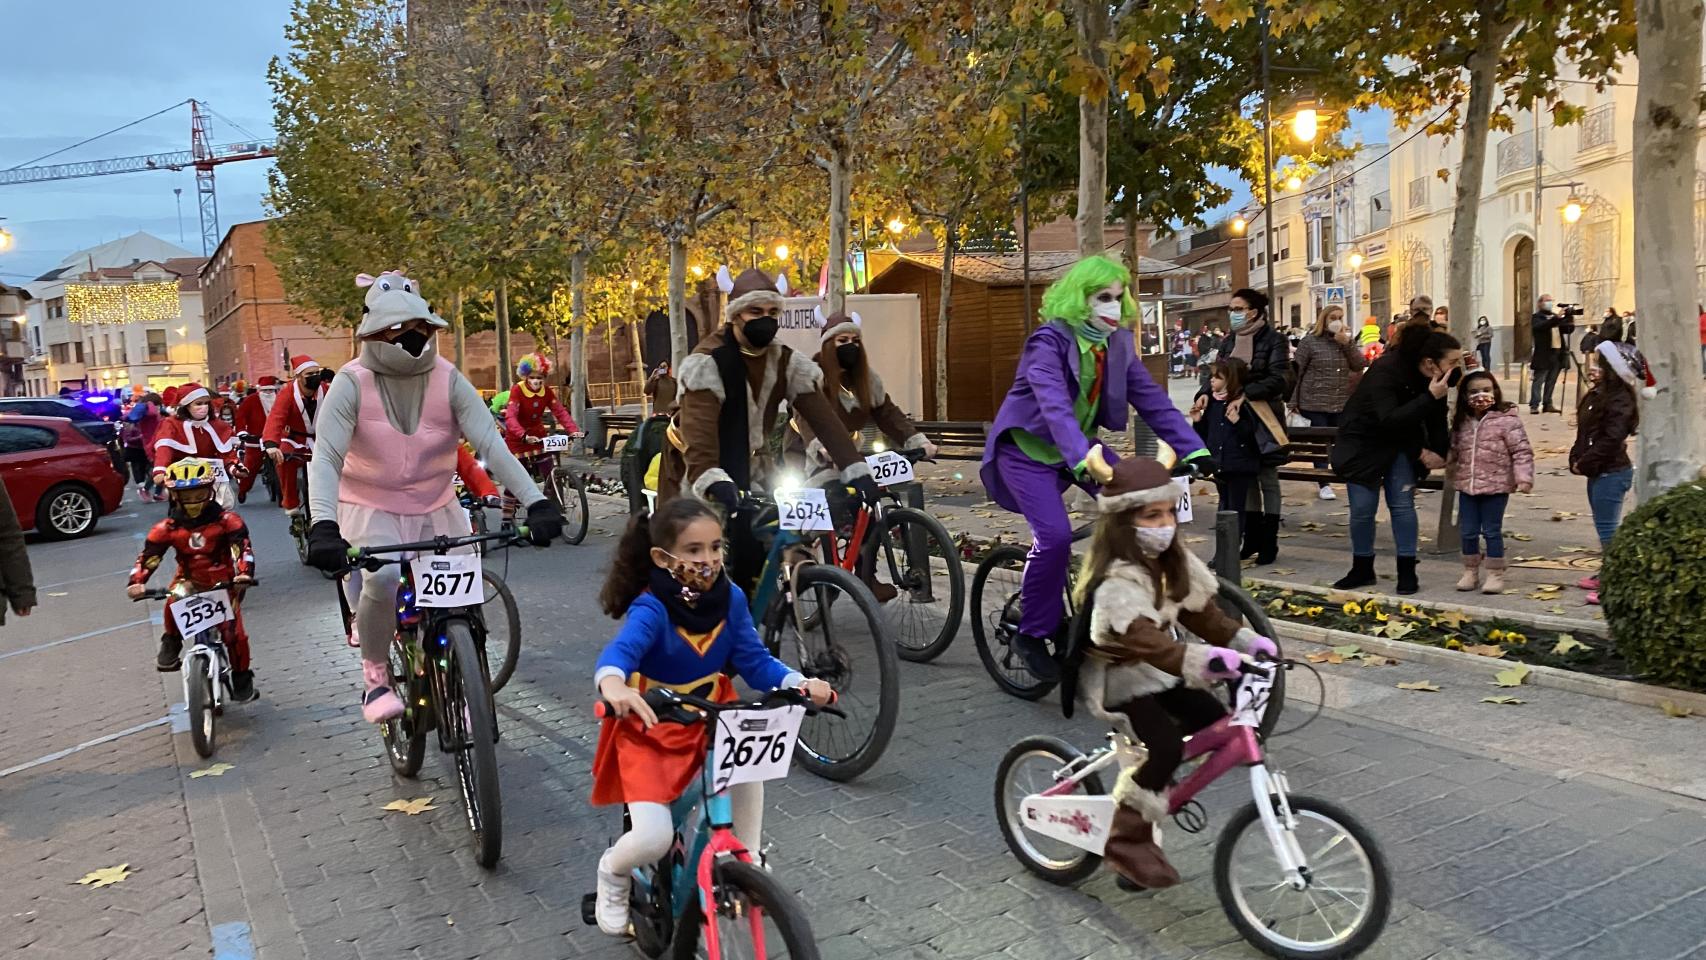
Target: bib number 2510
[(451, 580)]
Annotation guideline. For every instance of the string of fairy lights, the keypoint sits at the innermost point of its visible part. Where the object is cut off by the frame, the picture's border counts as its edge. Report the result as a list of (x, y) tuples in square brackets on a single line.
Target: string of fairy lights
[(115, 303)]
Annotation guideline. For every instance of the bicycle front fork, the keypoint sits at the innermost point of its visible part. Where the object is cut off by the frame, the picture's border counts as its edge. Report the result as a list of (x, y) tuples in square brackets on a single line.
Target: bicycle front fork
[(1269, 789)]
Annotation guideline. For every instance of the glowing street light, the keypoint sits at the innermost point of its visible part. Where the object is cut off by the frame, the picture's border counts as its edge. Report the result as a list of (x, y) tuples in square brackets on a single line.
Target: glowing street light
[(5, 240), (781, 251), (1294, 182), (897, 226), (698, 271), (1572, 209), (1305, 124), (1239, 225), (1355, 259)]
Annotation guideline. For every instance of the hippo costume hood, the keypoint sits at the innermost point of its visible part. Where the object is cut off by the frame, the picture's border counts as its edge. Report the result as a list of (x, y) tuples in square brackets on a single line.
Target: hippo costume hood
[(393, 300)]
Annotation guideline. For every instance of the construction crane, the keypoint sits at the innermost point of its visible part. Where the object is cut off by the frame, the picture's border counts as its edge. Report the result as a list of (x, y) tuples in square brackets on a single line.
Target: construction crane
[(201, 155)]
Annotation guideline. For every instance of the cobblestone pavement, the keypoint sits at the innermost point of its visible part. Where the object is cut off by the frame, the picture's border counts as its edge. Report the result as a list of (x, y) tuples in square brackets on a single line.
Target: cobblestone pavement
[(1493, 855)]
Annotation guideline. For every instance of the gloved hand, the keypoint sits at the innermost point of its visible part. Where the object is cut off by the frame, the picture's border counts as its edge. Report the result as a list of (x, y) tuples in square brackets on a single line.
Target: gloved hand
[(1202, 467), (867, 491), (544, 522), (724, 492), (1262, 648), (327, 548), (1222, 664)]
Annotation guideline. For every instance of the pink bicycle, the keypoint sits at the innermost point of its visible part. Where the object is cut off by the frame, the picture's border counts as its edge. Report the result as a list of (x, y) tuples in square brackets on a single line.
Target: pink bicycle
[(1298, 876)]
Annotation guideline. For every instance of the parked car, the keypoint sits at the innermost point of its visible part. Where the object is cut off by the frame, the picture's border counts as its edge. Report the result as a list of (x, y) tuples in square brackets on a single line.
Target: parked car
[(60, 481), (95, 420)]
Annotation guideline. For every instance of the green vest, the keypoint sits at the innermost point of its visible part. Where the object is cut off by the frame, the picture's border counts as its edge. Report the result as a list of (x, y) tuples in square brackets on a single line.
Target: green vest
[(1092, 365)]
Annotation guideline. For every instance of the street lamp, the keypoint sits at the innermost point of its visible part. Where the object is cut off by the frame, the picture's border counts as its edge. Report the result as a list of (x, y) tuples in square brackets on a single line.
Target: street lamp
[(1294, 182), (1355, 259), (896, 226), (1572, 209), (782, 251), (5, 238), (1305, 124), (1238, 225)]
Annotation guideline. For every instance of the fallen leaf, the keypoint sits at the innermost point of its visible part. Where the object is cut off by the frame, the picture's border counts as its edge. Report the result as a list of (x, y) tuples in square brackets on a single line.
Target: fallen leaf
[(1454, 619), (1562, 515), (217, 770), (1375, 660), (1675, 712), (1484, 649), (1337, 597), (1325, 657), (411, 807), (1519, 536), (1567, 643), (1398, 631), (1422, 685), (1503, 701), (1349, 650), (1512, 676), (1282, 571), (1276, 605), (106, 876), (1542, 595)]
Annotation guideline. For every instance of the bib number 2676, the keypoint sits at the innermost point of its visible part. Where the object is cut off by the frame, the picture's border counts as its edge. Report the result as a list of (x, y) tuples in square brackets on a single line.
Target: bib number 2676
[(754, 745)]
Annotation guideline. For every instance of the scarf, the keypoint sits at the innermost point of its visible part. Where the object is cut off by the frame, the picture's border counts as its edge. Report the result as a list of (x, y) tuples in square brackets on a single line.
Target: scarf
[(1095, 330), (733, 438), (698, 616), (1244, 341)]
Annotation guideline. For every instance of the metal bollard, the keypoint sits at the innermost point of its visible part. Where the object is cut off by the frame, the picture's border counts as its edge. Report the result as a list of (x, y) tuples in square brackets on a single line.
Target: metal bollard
[(918, 552), (1227, 546)]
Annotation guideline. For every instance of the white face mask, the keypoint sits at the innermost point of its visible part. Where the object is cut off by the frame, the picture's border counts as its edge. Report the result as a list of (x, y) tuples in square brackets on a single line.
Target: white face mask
[(1334, 326), (1109, 312), (1154, 541)]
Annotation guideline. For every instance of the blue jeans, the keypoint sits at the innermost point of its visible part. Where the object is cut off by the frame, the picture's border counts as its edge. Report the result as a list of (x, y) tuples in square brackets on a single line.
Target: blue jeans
[(1482, 516), (1605, 497), (1400, 487)]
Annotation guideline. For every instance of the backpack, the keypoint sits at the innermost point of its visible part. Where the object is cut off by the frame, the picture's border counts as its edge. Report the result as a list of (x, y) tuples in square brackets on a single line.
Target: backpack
[(644, 445)]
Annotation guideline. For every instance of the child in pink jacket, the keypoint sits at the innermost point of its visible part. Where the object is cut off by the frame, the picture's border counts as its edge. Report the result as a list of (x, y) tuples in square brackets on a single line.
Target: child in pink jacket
[(1490, 451)]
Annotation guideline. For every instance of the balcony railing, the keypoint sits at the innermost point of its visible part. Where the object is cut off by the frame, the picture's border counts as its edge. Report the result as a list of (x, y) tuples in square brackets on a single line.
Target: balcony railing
[(1516, 154), (1418, 195), (1599, 128)]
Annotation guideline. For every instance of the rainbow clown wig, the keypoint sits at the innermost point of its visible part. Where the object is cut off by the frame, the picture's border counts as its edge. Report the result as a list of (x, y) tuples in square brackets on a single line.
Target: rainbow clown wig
[(532, 365), (1068, 298)]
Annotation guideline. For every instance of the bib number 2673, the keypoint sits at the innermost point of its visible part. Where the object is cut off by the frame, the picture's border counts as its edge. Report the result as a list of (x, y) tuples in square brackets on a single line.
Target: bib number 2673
[(451, 580), (754, 745)]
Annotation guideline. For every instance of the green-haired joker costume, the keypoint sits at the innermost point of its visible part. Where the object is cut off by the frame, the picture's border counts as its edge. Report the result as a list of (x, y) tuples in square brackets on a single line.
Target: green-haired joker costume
[(1078, 373)]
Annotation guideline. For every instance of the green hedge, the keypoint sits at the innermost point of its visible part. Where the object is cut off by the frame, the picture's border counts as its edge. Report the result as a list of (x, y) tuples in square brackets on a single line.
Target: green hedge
[(1653, 587)]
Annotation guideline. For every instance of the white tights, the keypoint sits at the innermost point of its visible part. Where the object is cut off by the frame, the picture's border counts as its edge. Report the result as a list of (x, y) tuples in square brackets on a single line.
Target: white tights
[(649, 837)]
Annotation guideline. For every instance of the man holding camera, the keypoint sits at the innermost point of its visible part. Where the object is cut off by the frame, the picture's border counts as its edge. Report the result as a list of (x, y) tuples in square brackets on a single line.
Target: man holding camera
[(1552, 325)]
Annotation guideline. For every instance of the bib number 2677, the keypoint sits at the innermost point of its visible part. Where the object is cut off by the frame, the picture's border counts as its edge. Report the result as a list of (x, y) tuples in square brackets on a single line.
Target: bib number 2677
[(451, 580)]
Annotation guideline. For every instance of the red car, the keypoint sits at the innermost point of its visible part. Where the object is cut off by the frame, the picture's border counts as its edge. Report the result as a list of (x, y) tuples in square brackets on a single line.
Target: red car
[(60, 481)]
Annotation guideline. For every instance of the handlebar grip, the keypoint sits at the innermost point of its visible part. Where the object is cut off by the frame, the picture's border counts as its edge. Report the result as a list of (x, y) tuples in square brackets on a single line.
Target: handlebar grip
[(602, 709), (354, 553)]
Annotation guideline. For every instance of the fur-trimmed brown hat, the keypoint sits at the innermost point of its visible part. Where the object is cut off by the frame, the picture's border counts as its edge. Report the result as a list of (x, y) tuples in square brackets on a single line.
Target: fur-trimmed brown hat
[(1136, 481), (753, 288)]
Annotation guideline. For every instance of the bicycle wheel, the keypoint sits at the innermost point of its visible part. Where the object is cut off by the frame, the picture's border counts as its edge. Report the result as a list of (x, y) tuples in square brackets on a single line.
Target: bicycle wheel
[(1030, 767), (915, 555), (1341, 909), (995, 620), (1244, 609), (405, 736), (300, 525), (846, 646), (204, 726), (473, 740), (503, 629), (756, 917), (570, 493)]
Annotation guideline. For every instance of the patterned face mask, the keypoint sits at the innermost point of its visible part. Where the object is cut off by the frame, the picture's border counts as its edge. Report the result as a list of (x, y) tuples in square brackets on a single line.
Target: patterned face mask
[(1154, 541), (695, 576), (1481, 402)]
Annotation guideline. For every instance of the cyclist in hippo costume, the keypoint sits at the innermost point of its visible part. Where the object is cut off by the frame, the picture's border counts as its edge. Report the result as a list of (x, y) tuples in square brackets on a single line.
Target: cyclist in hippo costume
[(1078, 373)]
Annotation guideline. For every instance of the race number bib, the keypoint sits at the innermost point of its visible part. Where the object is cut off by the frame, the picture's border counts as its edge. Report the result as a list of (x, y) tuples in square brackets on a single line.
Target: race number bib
[(451, 580), (804, 510), (889, 468), (1184, 505), (556, 443), (1252, 699), (200, 611), (754, 745), (218, 468)]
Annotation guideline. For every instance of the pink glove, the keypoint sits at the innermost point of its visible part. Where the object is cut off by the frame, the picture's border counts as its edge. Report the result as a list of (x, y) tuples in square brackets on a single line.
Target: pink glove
[(1262, 648), (1222, 664)]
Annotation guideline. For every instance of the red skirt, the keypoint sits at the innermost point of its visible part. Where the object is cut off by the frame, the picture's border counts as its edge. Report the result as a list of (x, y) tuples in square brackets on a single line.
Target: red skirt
[(636, 765)]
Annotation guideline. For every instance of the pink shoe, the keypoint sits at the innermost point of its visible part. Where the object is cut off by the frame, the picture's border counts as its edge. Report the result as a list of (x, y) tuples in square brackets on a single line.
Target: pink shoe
[(1592, 599), (354, 638), (379, 703), (1588, 583)]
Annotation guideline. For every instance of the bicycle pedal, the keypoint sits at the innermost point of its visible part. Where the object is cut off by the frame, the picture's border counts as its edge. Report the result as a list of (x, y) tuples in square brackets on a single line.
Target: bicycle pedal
[(589, 909)]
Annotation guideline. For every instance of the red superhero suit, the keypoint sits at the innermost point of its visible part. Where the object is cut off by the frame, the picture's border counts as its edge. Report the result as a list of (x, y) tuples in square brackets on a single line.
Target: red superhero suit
[(212, 548), (251, 422), (179, 437), (525, 417), (290, 425)]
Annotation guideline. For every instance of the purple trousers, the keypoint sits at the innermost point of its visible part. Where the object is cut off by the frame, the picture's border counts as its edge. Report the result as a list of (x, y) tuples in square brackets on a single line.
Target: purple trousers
[(1038, 488)]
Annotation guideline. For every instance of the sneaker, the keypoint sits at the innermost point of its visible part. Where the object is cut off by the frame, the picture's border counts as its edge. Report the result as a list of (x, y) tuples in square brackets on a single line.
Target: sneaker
[(1327, 494), (1034, 653), (170, 656), (243, 686), (1588, 583), (612, 908), (1592, 599), (379, 703)]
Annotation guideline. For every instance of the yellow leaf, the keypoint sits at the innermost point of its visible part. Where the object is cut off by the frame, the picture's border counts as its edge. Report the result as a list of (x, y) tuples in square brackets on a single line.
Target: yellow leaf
[(1675, 712), (106, 876), (1276, 605), (411, 807), (217, 770), (1398, 630), (1567, 643), (1455, 619), (1054, 20), (1513, 676), (1484, 649), (1375, 660), (1422, 685), (1503, 701)]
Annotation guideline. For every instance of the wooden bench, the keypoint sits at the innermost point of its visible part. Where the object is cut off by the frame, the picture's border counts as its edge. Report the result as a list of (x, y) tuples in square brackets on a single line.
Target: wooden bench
[(1312, 445), (957, 439)]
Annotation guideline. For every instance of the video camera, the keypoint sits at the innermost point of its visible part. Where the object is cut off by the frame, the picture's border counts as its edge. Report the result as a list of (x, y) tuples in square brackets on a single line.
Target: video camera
[(1567, 309)]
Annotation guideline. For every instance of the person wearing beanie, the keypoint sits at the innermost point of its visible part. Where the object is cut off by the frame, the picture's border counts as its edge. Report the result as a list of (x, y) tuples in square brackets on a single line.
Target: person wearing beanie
[(1138, 673), (289, 429), (1078, 374), (1607, 416), (251, 422), (1268, 381), (733, 386), (384, 462), (193, 431)]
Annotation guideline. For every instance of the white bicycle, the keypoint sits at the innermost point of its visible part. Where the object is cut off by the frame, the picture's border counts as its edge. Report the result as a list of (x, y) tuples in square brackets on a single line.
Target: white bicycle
[(202, 619)]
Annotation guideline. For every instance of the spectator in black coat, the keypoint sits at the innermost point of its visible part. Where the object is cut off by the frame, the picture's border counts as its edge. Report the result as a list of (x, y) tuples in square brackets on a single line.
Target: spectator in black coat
[(1551, 353), (1267, 353)]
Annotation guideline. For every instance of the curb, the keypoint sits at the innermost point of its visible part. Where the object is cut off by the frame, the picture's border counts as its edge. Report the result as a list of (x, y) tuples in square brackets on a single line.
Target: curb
[(1544, 621), (1625, 691)]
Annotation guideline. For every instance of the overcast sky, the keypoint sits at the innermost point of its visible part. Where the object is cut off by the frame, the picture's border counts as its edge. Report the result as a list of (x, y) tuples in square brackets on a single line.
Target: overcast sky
[(73, 70)]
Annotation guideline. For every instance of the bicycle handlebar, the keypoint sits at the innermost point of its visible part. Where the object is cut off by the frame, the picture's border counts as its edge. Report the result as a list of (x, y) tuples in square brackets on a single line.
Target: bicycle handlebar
[(167, 593), (670, 705), (372, 558)]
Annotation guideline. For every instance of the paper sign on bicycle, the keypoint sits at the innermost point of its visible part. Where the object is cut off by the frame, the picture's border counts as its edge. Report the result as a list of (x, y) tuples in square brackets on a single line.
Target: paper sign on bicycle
[(805, 510), (1184, 505), (556, 443), (889, 468), (199, 611), (1252, 701), (450, 580), (754, 745)]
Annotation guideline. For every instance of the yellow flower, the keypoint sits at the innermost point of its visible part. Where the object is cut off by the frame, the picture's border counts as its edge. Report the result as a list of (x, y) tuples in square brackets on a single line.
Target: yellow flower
[(1495, 635), (1511, 636), (1410, 610), (1381, 617), (1352, 608), (1312, 612), (1452, 643)]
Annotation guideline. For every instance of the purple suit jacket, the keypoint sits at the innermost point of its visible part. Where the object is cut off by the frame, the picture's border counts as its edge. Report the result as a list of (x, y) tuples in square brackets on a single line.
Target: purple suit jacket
[(1044, 386)]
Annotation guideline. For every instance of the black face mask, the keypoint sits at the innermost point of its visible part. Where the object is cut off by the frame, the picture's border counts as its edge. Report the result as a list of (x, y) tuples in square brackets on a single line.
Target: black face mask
[(850, 355), (414, 341), (761, 330)]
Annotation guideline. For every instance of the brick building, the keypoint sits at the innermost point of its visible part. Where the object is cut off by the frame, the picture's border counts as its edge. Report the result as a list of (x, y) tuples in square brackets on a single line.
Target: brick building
[(251, 330)]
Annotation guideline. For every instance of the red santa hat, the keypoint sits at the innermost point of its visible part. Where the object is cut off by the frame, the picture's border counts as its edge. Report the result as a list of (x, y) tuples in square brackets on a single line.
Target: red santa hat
[(1629, 365), (302, 363), (169, 396), (267, 380), (190, 393)]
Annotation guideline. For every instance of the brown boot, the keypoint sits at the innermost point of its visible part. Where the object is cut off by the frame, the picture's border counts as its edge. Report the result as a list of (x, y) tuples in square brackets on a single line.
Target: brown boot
[(1495, 582), (1471, 578), (1132, 850)]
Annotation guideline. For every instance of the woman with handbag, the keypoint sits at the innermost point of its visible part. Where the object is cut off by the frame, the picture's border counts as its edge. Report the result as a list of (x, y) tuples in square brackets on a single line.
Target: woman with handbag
[(1267, 354), (1327, 360)]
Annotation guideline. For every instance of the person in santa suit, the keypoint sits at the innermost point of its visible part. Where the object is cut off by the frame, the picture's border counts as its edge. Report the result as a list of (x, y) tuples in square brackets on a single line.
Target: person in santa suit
[(252, 412), (193, 431), (289, 429)]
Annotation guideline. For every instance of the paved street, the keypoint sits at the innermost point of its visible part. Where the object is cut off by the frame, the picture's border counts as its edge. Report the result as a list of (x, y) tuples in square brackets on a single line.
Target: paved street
[(1496, 852)]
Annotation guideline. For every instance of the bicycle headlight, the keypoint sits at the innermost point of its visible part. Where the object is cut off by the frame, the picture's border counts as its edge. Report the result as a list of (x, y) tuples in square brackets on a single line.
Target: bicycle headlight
[(789, 482), (878, 446)]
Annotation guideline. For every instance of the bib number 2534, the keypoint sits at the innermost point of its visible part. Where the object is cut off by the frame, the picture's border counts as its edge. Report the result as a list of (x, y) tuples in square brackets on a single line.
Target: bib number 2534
[(451, 580)]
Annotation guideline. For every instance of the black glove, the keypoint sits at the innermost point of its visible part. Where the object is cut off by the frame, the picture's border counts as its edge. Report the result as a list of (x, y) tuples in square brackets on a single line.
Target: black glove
[(867, 490), (724, 492), (544, 523), (1202, 467), (327, 548)]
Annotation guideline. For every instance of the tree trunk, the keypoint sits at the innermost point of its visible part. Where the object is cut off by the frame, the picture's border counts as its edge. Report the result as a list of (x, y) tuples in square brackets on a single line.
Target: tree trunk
[(678, 345), (460, 328), (1672, 447), (1093, 26), (577, 336), (1466, 209), (949, 229), (840, 191), (501, 315), (639, 367)]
